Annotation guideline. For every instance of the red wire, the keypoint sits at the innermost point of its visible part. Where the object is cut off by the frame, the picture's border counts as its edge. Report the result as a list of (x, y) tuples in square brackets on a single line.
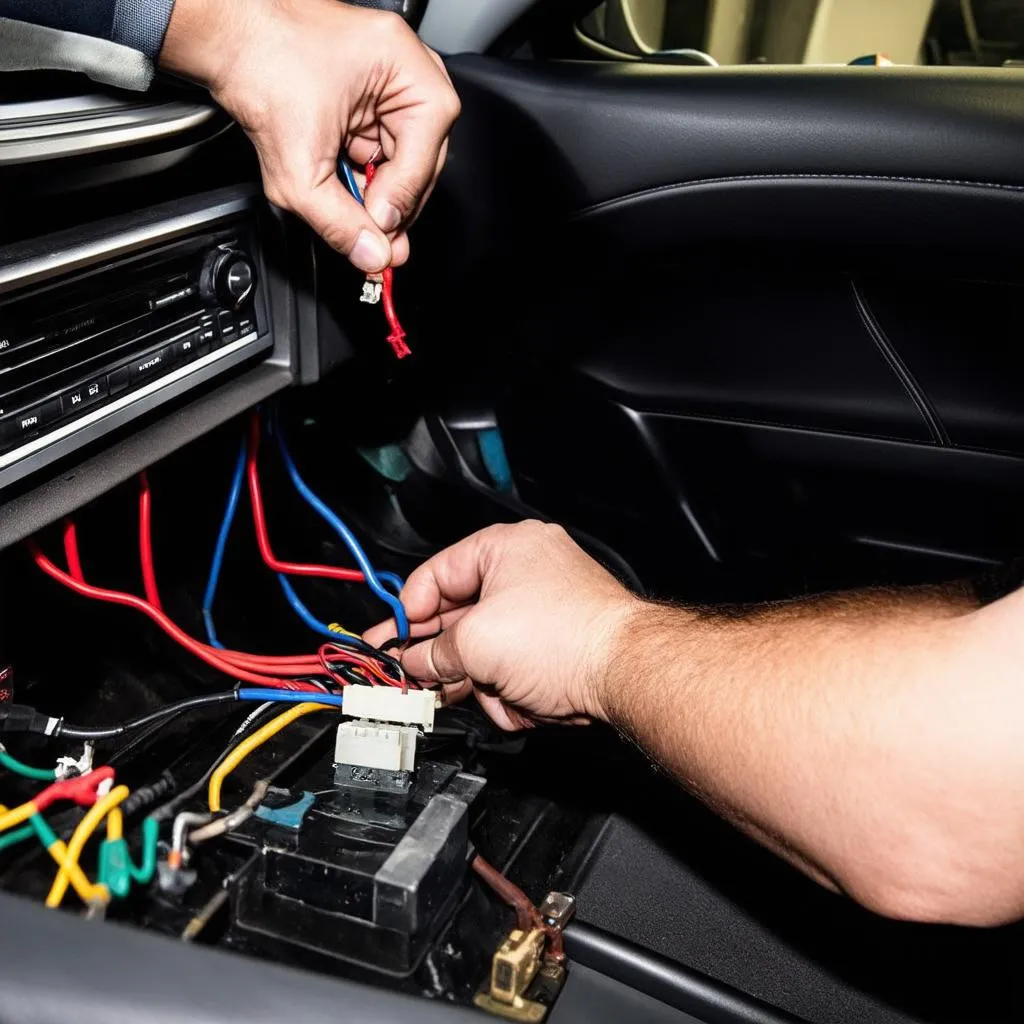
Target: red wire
[(396, 339), (71, 551), (146, 543), (260, 522), (209, 655)]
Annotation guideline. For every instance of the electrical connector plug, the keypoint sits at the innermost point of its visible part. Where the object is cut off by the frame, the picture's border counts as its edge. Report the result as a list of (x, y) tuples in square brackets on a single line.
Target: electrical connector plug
[(390, 748), (390, 704)]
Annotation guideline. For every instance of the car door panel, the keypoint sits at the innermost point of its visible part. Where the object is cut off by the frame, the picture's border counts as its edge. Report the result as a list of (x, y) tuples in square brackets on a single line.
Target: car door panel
[(742, 315)]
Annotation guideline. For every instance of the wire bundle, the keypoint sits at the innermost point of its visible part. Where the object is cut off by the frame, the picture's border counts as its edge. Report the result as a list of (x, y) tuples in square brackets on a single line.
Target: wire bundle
[(288, 672)]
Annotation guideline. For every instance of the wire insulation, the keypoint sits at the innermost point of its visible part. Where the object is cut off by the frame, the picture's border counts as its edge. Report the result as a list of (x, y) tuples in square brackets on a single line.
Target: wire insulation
[(86, 827), (249, 744), (202, 651), (146, 543), (12, 764), (346, 535), (221, 546)]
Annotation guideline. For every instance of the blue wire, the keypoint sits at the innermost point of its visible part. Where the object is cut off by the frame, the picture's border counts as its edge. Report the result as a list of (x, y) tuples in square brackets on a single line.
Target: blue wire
[(304, 613), (334, 700), (347, 175), (346, 535), (222, 543), (289, 591)]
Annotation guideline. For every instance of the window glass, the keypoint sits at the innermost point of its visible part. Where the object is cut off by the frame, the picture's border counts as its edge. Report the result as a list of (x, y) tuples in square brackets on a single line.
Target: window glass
[(958, 32)]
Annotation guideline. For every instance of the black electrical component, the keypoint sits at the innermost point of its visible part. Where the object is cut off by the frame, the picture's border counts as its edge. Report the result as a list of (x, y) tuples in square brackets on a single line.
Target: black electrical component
[(360, 874)]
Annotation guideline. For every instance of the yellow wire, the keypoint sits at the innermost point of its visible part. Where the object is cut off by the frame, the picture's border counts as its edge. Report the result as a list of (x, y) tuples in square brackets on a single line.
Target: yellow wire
[(335, 628), (82, 834), (87, 892), (11, 818), (115, 825), (85, 889), (248, 745)]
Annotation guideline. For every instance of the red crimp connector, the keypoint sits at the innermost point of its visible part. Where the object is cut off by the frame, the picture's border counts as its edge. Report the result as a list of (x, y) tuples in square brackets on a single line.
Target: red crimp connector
[(80, 790), (396, 339)]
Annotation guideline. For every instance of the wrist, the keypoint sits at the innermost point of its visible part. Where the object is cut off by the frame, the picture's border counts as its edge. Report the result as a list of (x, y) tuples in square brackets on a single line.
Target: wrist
[(617, 629), (646, 639), (205, 38)]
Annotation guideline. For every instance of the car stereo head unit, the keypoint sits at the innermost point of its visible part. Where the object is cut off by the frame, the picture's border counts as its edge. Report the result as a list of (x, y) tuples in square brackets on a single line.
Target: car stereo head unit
[(98, 332)]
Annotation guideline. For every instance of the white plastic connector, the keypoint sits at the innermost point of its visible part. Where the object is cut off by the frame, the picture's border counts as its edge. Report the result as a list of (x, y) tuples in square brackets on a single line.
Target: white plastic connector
[(391, 748), (70, 766), (390, 704)]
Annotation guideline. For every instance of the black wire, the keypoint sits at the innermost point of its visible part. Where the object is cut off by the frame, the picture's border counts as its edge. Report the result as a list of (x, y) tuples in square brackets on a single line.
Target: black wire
[(161, 716), (377, 653), (141, 798), (170, 808)]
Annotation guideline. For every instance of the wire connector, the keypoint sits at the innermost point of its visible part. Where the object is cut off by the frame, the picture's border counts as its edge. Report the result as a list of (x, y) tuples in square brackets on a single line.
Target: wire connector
[(390, 704), (69, 767), (390, 748)]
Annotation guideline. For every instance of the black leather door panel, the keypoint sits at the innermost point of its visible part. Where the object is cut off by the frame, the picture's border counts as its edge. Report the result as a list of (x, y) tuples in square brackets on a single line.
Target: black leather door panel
[(760, 346), (622, 128), (724, 315), (964, 341)]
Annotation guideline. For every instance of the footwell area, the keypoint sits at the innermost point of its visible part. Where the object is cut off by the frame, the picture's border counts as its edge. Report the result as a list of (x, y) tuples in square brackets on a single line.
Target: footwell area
[(689, 888)]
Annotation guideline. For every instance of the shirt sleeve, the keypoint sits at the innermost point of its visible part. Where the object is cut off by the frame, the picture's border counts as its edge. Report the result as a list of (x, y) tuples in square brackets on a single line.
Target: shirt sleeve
[(137, 24)]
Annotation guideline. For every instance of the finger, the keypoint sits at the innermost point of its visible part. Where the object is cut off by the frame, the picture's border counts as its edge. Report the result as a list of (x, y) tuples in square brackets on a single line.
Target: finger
[(500, 713), (401, 183), (343, 224), (387, 630), (439, 166), (437, 660), (399, 249), (455, 693), (363, 148), (451, 578)]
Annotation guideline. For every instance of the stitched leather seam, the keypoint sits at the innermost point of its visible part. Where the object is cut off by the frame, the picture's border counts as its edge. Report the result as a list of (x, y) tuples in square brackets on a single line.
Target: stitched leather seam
[(903, 373), (727, 179)]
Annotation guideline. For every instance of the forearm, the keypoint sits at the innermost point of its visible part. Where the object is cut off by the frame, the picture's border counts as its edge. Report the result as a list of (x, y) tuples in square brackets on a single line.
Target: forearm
[(843, 733)]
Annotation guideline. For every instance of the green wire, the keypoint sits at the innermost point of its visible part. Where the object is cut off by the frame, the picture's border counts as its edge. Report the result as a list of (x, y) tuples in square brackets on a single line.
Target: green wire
[(12, 764), (19, 834)]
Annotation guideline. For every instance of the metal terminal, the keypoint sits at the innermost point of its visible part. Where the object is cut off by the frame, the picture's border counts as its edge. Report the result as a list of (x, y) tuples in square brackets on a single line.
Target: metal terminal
[(371, 292), (558, 909), (522, 985)]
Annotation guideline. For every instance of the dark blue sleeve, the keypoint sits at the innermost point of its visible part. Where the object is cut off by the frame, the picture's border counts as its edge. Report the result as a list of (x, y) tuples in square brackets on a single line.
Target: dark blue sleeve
[(139, 24)]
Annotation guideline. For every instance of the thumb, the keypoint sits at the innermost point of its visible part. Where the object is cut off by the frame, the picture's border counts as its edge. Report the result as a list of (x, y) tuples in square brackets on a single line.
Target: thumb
[(437, 660), (403, 181), (343, 224)]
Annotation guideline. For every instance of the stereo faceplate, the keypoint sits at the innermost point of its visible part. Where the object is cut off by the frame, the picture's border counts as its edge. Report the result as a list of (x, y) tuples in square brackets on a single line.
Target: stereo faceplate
[(83, 353)]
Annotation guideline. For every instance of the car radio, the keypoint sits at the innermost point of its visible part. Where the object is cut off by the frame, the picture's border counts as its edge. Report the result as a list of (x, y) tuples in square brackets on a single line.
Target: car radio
[(85, 351)]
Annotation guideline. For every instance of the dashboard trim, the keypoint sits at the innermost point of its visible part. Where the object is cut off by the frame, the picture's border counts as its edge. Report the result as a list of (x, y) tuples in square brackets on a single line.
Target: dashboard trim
[(42, 451), (21, 273)]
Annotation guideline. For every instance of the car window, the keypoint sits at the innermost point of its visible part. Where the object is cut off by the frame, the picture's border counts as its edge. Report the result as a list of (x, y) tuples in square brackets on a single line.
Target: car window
[(950, 32)]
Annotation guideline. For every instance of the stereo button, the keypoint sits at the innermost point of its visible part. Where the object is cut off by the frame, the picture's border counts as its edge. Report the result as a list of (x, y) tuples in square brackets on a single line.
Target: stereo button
[(184, 350), (75, 399), (226, 323), (150, 366), (26, 423)]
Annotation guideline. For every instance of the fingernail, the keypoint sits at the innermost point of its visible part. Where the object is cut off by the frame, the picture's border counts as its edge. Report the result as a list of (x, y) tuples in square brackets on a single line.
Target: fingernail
[(368, 253), (386, 216)]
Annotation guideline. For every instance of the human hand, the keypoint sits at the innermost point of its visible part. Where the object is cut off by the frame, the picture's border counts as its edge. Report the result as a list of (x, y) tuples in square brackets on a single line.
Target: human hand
[(528, 622), (309, 79)]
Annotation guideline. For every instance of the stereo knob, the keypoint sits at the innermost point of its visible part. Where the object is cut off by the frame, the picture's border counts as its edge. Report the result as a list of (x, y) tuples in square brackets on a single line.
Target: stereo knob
[(229, 277)]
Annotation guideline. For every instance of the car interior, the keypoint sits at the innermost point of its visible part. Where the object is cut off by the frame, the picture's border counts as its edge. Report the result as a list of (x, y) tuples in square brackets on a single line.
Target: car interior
[(727, 288)]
